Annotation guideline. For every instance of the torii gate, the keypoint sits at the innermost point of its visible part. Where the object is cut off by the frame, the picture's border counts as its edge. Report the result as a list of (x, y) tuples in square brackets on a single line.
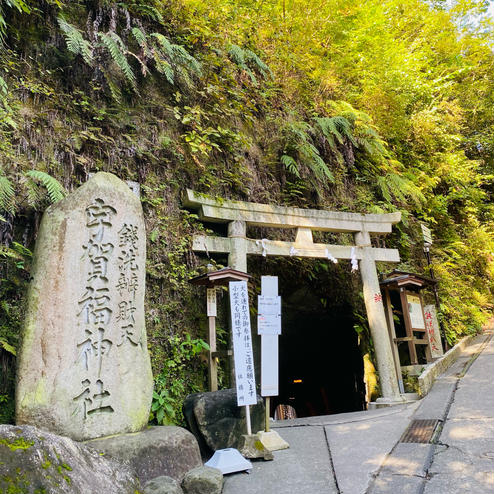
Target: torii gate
[(239, 214)]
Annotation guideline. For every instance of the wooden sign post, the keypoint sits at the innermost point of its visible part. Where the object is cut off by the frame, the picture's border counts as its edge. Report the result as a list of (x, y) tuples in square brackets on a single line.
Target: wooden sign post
[(211, 279), (269, 328), (212, 359), (245, 380)]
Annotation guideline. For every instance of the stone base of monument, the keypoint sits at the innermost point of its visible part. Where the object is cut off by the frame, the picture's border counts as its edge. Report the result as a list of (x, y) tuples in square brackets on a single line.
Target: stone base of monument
[(251, 446), (154, 452), (272, 441), (389, 402)]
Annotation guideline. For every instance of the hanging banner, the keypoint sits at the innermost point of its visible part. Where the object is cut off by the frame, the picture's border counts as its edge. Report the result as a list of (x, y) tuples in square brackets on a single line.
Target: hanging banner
[(242, 344), (415, 311), (269, 315)]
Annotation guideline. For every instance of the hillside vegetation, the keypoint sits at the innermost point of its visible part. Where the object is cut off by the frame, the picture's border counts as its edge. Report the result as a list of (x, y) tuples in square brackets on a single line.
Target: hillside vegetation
[(372, 106)]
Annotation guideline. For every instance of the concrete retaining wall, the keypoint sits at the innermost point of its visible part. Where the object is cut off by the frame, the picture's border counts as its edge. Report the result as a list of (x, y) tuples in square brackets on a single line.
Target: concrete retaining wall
[(427, 378)]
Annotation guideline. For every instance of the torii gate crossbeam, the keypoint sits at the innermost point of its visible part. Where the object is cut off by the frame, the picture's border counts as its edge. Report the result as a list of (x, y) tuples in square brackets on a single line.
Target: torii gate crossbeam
[(239, 214)]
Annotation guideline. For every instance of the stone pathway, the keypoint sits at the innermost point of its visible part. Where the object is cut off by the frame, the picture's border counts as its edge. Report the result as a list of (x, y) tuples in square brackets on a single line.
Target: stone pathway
[(464, 457), (361, 452)]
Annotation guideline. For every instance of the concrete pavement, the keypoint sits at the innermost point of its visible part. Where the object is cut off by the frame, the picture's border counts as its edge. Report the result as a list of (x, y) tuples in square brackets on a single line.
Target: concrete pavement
[(463, 459), (362, 452)]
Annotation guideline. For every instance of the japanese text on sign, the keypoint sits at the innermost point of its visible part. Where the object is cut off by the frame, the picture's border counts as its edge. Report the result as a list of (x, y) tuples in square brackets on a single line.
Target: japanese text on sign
[(433, 333), (269, 314), (211, 302), (415, 311), (242, 344)]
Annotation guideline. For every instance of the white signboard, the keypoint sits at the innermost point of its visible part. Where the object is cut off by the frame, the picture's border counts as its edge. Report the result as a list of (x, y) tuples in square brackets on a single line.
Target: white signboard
[(269, 315), (271, 306), (211, 301), (242, 344), (415, 311), (433, 333)]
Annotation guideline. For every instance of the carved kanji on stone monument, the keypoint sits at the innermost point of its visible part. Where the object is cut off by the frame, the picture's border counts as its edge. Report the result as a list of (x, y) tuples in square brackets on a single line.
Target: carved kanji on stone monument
[(84, 368)]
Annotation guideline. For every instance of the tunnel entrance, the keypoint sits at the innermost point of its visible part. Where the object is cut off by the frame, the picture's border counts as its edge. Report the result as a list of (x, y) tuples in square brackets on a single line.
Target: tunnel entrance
[(321, 369)]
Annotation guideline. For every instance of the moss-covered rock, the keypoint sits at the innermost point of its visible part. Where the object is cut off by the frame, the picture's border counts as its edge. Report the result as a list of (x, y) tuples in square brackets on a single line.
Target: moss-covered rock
[(33, 461)]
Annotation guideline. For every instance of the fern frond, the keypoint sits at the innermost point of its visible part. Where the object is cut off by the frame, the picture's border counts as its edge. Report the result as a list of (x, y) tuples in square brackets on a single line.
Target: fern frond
[(164, 43), (149, 11), (250, 56), (236, 55), (7, 195), (114, 44), (163, 67), (114, 89), (335, 127), (75, 42), (290, 164), (245, 57), (33, 191), (395, 185), (55, 189), (186, 59), (141, 39), (314, 162), (178, 60)]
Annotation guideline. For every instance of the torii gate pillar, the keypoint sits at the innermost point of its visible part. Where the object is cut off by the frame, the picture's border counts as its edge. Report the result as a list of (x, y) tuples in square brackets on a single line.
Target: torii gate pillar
[(237, 257), (377, 321)]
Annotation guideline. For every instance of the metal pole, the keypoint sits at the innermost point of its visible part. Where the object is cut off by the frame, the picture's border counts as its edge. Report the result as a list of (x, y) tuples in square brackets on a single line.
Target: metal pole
[(436, 295)]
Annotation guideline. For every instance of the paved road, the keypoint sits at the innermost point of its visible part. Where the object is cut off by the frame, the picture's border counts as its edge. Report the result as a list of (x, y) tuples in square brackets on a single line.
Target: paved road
[(361, 452), (464, 458)]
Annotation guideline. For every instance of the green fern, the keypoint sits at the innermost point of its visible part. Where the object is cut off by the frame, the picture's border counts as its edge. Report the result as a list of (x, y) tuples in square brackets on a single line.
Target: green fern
[(75, 42), (300, 151), (392, 185), (149, 11), (172, 60), (163, 67), (251, 57), (114, 89), (290, 164), (55, 189), (114, 44), (245, 58), (337, 128), (141, 39), (7, 195), (314, 162)]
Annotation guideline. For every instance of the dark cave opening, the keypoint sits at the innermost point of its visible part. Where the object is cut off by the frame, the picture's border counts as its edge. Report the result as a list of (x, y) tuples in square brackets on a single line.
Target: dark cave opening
[(320, 363)]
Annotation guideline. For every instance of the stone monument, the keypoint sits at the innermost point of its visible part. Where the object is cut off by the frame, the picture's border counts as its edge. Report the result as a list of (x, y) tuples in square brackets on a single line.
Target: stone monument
[(84, 368)]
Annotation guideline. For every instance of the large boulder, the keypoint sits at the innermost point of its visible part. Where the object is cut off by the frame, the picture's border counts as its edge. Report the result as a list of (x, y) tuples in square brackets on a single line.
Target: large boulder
[(217, 421), (33, 461), (84, 369), (157, 451)]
